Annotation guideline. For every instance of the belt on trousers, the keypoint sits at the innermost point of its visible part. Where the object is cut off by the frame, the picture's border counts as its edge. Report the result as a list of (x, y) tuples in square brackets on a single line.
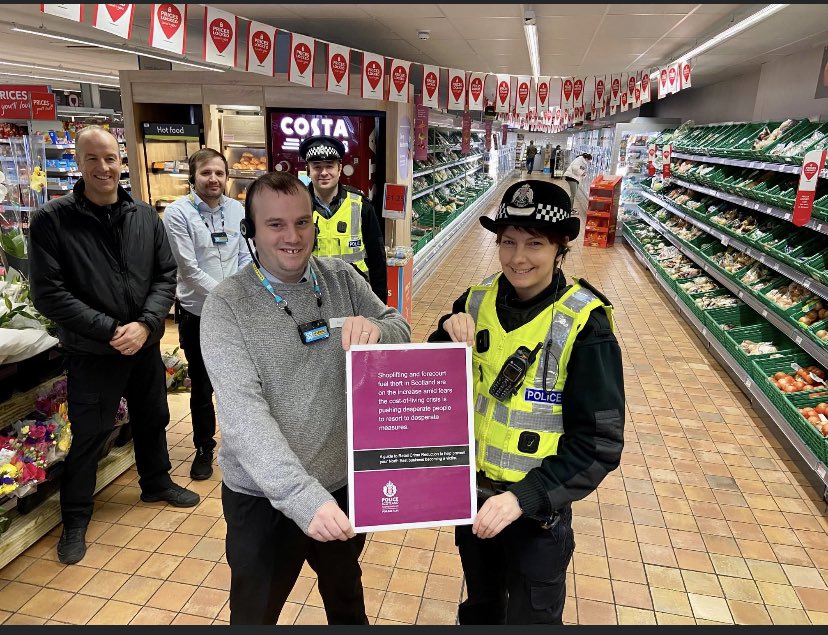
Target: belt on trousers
[(486, 488)]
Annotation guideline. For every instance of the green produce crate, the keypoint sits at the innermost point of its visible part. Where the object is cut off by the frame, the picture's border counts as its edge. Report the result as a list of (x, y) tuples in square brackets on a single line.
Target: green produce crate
[(741, 146), (700, 313), (745, 150), (815, 328), (806, 132), (732, 136), (810, 435), (422, 241), (763, 369), (757, 333), (798, 131), (732, 317)]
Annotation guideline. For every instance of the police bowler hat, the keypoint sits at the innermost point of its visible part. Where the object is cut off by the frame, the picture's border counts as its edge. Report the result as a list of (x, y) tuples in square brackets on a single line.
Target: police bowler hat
[(321, 148), (538, 204)]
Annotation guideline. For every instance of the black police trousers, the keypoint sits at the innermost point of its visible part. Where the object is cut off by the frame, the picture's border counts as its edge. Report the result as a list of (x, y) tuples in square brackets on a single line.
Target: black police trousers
[(201, 389), (266, 551), (95, 385), (519, 576)]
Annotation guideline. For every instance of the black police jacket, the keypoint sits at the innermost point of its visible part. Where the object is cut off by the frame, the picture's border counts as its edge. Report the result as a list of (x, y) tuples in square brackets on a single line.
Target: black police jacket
[(94, 268), (372, 236), (593, 403)]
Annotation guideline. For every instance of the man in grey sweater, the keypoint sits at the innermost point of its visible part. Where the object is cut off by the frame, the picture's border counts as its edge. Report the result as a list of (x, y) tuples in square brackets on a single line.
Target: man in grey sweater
[(274, 337)]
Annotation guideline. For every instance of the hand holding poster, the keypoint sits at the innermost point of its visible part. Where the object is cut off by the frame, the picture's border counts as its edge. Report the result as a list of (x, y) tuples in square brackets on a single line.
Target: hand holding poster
[(411, 456)]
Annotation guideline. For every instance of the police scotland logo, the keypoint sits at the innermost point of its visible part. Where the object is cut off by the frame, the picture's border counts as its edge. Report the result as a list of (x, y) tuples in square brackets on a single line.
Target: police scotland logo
[(390, 501)]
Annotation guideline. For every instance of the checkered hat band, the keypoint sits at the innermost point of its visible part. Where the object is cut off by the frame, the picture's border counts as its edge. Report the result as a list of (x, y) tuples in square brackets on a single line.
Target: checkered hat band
[(551, 213), (322, 152)]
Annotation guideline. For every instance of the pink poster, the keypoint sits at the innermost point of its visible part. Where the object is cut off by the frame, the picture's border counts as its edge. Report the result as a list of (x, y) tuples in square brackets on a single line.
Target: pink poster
[(420, 130), (411, 460)]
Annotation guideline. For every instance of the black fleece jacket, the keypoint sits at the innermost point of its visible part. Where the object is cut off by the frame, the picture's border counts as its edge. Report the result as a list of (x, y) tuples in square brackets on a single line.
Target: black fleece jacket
[(94, 268), (593, 402)]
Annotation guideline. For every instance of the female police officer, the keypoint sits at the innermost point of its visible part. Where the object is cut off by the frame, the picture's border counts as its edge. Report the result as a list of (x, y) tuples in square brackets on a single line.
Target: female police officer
[(549, 409)]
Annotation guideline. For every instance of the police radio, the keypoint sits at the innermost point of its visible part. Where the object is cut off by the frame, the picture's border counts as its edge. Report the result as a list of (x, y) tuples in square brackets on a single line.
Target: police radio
[(512, 373)]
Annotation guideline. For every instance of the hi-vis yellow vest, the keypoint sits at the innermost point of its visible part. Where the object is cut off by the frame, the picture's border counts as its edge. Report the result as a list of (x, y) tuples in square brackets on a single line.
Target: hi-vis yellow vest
[(498, 425), (347, 243)]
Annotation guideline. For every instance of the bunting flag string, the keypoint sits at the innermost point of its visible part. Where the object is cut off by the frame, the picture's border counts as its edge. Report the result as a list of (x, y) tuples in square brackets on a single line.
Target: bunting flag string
[(514, 94)]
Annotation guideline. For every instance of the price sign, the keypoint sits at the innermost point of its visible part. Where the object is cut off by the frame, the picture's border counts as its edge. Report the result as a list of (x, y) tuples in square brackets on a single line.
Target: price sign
[(764, 313), (812, 164), (666, 154), (762, 259), (807, 283), (748, 383), (725, 240), (394, 201), (741, 294), (798, 340)]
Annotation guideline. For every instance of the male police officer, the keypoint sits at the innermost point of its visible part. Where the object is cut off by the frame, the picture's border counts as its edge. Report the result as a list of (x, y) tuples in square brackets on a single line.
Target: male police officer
[(347, 225)]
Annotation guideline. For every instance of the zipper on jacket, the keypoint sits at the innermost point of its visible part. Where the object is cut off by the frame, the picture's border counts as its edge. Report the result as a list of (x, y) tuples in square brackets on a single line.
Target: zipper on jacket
[(123, 268)]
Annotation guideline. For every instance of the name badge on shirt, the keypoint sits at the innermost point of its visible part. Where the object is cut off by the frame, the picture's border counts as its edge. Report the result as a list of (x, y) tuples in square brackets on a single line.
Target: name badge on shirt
[(219, 238), (315, 331)]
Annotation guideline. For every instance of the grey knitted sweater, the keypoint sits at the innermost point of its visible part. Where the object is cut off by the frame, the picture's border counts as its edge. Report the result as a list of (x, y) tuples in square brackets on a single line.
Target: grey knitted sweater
[(282, 404)]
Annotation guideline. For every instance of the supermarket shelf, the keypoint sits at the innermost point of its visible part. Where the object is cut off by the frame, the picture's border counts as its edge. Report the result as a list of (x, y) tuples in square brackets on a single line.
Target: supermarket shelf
[(800, 338), (437, 186), (778, 212), (64, 171), (17, 208), (447, 165), (778, 266), (245, 174), (788, 168), (739, 374), (436, 249)]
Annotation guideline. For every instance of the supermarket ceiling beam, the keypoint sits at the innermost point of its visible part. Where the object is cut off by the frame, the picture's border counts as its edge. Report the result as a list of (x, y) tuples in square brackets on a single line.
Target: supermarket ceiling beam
[(42, 32)]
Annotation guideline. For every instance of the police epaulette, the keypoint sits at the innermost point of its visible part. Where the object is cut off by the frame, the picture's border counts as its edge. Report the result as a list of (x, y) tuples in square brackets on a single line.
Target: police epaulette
[(600, 295), (353, 190)]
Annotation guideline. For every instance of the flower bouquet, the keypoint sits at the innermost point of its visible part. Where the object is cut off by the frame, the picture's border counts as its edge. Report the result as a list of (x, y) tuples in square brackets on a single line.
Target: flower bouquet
[(177, 379)]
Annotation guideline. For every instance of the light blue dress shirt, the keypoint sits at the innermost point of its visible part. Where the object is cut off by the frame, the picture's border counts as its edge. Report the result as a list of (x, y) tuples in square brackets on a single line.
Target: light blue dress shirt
[(202, 264)]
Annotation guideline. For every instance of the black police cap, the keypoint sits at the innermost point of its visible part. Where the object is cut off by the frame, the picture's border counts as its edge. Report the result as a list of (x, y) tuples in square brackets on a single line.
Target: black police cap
[(538, 204), (322, 148)]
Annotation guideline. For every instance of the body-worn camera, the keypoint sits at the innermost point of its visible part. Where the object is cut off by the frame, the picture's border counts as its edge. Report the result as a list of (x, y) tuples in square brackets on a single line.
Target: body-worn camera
[(512, 373)]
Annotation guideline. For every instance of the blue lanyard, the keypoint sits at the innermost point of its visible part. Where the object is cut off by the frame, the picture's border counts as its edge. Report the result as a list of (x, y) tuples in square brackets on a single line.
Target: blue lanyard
[(191, 198), (280, 301)]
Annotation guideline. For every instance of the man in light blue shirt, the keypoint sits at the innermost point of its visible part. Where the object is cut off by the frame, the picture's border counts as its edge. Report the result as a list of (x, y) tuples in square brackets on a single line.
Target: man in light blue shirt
[(203, 230)]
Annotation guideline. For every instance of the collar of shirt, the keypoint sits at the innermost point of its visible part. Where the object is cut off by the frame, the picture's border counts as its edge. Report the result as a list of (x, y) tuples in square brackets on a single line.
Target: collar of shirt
[(327, 210), (202, 207), (305, 276)]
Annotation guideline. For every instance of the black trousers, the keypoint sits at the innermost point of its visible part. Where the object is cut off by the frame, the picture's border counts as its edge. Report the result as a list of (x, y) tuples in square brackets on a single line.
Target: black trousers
[(266, 550), (95, 386), (201, 389), (519, 576)]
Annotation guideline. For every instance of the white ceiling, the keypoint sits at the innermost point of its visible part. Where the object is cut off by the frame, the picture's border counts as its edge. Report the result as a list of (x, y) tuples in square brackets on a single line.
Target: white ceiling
[(575, 39)]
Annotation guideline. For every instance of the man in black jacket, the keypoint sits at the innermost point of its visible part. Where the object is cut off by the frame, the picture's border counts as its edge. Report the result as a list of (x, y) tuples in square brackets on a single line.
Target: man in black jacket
[(102, 270)]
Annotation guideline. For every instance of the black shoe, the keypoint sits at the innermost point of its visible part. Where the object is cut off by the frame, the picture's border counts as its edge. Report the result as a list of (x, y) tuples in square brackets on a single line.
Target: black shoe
[(175, 495), (202, 467), (71, 547)]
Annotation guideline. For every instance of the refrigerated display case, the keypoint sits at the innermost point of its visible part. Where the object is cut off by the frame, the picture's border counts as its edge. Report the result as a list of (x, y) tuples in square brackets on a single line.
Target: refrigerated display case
[(244, 146), (167, 146), (598, 142), (629, 156), (22, 190)]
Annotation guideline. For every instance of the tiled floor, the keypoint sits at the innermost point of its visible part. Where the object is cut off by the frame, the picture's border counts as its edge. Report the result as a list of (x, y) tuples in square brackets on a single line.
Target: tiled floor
[(706, 521)]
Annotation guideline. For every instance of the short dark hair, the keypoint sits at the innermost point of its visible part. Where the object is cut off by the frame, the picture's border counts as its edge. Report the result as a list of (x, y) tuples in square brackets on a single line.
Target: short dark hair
[(552, 235), (202, 156), (279, 182), (587, 156)]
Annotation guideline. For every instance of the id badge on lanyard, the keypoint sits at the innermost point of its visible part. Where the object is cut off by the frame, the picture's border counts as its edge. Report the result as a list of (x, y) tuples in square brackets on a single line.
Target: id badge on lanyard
[(219, 238)]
